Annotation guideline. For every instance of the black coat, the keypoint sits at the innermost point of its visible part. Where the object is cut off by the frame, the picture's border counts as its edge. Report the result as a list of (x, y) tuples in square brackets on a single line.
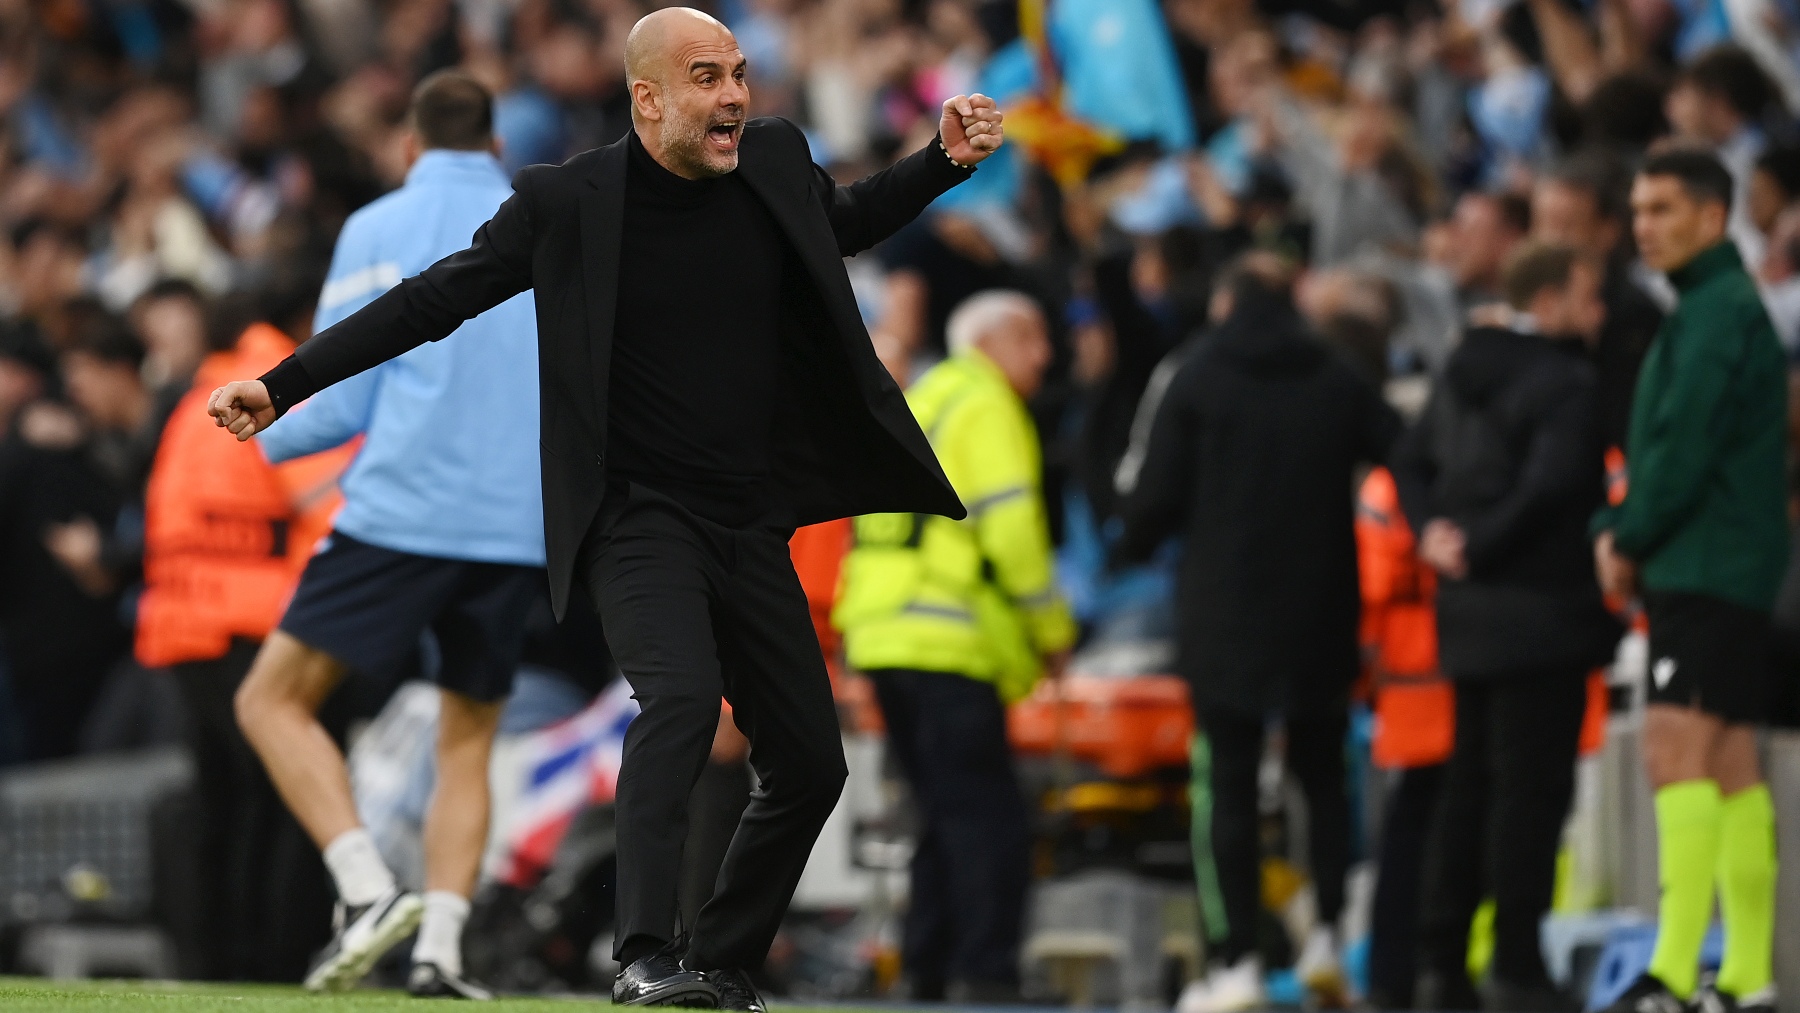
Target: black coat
[(844, 442), (1252, 459), (1509, 448)]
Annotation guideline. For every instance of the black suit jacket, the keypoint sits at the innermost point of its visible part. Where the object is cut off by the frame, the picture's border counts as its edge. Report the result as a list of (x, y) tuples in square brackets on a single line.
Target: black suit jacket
[(845, 442)]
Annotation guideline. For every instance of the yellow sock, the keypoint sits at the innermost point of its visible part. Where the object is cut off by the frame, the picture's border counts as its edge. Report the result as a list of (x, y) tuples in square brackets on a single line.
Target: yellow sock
[(1747, 889), (1687, 838)]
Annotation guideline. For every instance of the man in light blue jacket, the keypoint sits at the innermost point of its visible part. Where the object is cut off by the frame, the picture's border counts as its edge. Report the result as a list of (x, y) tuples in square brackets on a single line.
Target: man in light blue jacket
[(442, 530)]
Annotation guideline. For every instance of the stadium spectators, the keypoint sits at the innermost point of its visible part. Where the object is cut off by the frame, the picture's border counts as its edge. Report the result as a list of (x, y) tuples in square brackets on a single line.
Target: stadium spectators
[(161, 157)]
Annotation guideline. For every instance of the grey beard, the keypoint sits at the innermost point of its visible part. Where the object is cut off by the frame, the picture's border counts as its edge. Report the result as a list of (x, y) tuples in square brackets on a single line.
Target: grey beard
[(688, 148)]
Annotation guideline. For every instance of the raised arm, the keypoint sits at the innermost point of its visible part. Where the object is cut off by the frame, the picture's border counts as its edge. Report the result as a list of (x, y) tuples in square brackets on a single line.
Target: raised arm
[(875, 207), (426, 307)]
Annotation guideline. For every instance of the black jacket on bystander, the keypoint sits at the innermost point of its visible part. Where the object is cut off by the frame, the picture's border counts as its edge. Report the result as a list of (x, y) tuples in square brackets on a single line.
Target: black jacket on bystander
[(1509, 449), (1252, 460)]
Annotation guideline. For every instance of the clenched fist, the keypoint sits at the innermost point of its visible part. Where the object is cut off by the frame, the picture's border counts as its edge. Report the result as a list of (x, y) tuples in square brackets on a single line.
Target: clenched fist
[(971, 128), (242, 406)]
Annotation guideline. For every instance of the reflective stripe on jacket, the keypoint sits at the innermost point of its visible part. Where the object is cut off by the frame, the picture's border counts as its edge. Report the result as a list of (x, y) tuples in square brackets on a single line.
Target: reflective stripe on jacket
[(226, 533), (976, 597)]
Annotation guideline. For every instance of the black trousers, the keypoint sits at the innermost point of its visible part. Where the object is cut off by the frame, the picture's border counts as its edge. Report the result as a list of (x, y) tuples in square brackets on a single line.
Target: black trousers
[(694, 611), (972, 866), (1315, 756), (1394, 914), (1499, 820), (265, 901)]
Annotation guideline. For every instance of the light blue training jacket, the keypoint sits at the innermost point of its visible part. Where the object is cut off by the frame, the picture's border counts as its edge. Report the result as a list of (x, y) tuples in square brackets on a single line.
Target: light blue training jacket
[(449, 466)]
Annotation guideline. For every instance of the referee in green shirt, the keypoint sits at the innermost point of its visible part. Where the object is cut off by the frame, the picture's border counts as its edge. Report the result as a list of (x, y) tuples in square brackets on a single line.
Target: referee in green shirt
[(1702, 536)]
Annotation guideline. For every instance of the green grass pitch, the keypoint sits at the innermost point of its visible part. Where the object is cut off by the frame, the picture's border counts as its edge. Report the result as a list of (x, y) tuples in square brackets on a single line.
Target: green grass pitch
[(37, 995)]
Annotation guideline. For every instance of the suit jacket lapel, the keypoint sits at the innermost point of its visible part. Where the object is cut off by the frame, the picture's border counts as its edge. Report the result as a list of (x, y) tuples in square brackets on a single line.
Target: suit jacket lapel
[(785, 194), (602, 221)]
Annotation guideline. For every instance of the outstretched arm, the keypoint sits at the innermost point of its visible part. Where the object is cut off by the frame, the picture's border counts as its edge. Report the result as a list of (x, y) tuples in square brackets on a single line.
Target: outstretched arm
[(874, 208), (426, 307)]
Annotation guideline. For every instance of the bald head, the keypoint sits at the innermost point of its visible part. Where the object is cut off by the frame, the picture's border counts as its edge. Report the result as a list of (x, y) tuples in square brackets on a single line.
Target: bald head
[(660, 35), (688, 97)]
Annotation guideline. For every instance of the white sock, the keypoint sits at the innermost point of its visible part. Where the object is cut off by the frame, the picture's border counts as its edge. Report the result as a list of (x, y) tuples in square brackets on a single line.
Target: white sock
[(440, 934), (357, 869)]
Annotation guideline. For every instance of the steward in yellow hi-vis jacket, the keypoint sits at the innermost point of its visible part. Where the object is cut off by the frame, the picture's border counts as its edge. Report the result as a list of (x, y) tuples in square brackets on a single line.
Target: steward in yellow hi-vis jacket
[(976, 597), (953, 619)]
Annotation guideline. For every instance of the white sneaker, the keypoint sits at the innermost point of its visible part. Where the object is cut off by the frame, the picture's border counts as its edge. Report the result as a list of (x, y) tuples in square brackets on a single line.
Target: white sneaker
[(1226, 989), (1320, 970), (363, 935)]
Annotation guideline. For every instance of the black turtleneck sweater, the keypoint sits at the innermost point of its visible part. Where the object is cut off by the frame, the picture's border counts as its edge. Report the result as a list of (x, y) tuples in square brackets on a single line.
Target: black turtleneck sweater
[(695, 356)]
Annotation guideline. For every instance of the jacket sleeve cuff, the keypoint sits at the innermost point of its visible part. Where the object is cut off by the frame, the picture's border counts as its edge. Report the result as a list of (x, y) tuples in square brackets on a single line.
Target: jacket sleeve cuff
[(950, 171), (288, 385)]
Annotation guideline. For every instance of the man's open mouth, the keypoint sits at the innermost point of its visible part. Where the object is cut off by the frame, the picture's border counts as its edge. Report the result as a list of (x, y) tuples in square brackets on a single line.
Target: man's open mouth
[(724, 136)]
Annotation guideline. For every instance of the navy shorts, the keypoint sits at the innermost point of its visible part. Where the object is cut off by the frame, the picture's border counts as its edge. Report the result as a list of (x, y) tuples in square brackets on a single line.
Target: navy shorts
[(366, 606), (1709, 653)]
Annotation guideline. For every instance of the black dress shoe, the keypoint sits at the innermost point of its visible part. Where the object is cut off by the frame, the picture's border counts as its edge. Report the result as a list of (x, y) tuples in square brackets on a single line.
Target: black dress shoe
[(660, 980), (737, 991)]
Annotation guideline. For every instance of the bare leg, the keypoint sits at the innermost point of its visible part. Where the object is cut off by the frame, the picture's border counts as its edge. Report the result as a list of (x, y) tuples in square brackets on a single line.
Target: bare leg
[(456, 825), (1734, 763), (277, 706), (1680, 743)]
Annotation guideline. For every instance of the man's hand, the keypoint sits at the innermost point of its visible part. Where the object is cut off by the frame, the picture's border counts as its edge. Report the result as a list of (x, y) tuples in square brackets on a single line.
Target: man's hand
[(77, 545), (1057, 665), (242, 406), (1442, 547), (1617, 574), (971, 128)]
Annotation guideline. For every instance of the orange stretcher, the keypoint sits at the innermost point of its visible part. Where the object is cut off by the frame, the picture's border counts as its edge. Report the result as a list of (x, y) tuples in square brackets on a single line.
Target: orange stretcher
[(1127, 726)]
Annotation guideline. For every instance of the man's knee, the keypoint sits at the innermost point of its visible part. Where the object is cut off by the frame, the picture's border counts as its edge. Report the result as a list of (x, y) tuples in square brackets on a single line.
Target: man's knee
[(1678, 743), (813, 782), (466, 724), (286, 675)]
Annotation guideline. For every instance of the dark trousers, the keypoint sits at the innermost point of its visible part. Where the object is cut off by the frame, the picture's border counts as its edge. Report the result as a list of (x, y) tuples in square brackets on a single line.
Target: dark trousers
[(972, 866), (694, 611), (265, 900), (1499, 820), (1315, 756), (1394, 914)]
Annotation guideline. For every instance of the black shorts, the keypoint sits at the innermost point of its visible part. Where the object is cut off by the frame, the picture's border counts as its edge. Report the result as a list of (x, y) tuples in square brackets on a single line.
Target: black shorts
[(366, 606), (1709, 653)]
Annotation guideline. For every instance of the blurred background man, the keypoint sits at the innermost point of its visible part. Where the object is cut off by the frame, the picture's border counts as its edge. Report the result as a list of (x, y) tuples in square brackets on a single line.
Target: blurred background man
[(1500, 477), (1252, 460), (226, 537), (441, 532), (953, 621)]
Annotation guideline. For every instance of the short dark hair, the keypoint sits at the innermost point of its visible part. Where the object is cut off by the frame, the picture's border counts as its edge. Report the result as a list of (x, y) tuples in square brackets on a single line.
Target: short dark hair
[(1257, 274), (1534, 267), (1734, 75), (1601, 176), (105, 337), (450, 109), (171, 288), (1702, 175), (1515, 211), (1782, 162)]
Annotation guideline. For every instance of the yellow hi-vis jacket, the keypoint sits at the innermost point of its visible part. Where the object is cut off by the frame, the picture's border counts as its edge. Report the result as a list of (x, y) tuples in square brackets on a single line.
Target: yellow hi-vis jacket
[(976, 597)]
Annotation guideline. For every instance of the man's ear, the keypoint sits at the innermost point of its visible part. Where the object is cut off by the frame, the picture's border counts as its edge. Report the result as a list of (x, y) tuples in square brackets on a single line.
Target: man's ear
[(1718, 217), (646, 99)]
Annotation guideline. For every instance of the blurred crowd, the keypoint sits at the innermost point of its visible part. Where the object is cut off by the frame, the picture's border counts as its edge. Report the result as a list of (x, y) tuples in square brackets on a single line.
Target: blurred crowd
[(174, 170)]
